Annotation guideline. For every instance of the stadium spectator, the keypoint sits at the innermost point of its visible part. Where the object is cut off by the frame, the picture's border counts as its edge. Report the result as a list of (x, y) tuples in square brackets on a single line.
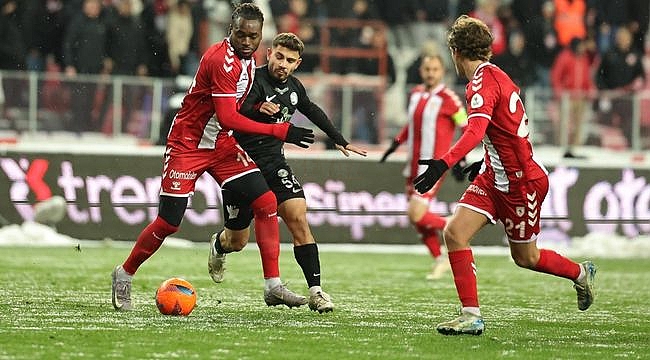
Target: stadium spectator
[(621, 73), (570, 20), (610, 16), (571, 75), (178, 33), (508, 185), (128, 50), (85, 51), (516, 62), (12, 45), (274, 97), (154, 18), (542, 43), (44, 27), (639, 21), (487, 11), (200, 140), (434, 112)]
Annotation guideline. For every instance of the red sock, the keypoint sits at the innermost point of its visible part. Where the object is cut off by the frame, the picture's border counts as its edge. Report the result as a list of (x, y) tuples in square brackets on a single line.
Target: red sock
[(148, 242), (428, 227), (267, 233), (431, 221), (464, 270), (553, 263), (432, 241)]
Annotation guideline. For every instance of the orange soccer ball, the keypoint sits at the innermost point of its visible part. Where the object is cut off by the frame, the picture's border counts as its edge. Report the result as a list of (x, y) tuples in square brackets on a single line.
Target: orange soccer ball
[(175, 296)]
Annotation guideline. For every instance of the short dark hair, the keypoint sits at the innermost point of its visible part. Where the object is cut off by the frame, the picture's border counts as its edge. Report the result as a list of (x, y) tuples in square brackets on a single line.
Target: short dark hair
[(248, 11), (471, 38), (289, 41)]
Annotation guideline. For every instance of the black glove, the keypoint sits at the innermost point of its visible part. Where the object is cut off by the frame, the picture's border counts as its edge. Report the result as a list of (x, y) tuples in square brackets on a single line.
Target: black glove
[(299, 136), (425, 181), (457, 170), (473, 169), (389, 151)]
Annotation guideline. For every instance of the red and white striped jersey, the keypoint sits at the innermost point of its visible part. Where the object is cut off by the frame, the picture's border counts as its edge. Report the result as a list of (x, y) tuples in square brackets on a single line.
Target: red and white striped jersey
[(433, 116), (492, 95), (221, 73)]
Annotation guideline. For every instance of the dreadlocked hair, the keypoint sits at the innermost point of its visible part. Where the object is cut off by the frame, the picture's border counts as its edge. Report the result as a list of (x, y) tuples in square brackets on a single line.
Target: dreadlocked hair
[(248, 11)]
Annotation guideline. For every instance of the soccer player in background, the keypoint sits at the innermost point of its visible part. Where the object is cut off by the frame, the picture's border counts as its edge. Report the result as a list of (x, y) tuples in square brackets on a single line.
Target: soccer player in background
[(200, 140), (434, 112), (274, 97), (509, 185)]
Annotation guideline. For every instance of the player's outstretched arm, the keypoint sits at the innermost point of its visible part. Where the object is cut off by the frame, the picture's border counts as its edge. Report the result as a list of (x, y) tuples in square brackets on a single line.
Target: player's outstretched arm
[(230, 119)]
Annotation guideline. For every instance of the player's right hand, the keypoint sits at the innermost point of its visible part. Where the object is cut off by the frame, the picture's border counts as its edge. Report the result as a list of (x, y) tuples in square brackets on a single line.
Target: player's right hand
[(473, 169), (302, 137), (390, 150)]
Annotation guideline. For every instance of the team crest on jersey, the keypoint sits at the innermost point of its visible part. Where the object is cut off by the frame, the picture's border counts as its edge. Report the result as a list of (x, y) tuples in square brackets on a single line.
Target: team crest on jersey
[(477, 101), (294, 98), (283, 173), (520, 211)]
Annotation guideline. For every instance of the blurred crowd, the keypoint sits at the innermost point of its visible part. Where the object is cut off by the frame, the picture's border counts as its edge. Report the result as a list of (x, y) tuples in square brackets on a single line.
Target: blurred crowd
[(165, 38), (568, 46)]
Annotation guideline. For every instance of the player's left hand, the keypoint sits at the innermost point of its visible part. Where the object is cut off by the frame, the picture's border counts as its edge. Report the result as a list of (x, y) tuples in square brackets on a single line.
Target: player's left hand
[(425, 181), (457, 170), (349, 147)]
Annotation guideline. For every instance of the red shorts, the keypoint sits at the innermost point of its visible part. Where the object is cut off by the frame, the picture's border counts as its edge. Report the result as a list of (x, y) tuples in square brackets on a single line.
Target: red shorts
[(182, 168), (519, 210)]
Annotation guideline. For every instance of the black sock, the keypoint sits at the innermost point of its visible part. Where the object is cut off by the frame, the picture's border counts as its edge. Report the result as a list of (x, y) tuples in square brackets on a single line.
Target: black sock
[(307, 258), (217, 244)]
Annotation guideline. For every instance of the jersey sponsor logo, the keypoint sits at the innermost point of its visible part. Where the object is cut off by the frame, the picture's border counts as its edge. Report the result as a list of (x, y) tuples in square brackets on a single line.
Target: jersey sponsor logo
[(269, 98), (477, 190), (176, 185), (477, 101), (294, 98), (182, 175)]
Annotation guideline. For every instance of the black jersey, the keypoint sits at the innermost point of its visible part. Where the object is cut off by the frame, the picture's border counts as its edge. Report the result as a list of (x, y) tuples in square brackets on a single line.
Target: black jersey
[(266, 151)]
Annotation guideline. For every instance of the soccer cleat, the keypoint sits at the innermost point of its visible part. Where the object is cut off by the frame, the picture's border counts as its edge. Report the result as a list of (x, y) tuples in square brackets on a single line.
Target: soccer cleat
[(466, 323), (439, 269), (280, 295), (216, 261), (585, 288), (121, 290), (321, 302)]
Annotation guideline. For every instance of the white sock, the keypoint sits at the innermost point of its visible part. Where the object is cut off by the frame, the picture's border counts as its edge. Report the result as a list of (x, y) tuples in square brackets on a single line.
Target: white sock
[(123, 275), (472, 310), (270, 283), (582, 275), (315, 290)]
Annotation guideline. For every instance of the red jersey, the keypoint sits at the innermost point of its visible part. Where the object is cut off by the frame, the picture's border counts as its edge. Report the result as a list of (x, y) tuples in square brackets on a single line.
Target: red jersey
[(492, 97), (432, 119), (221, 75)]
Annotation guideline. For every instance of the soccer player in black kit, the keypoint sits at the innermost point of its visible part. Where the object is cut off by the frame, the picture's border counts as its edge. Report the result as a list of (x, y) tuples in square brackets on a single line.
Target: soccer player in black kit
[(274, 96)]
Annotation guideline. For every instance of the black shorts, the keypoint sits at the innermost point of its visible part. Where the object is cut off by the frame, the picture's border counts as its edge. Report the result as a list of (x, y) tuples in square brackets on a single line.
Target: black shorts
[(236, 208)]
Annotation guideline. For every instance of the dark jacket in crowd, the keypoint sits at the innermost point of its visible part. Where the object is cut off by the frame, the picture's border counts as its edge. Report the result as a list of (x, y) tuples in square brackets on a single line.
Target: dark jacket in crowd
[(85, 44)]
